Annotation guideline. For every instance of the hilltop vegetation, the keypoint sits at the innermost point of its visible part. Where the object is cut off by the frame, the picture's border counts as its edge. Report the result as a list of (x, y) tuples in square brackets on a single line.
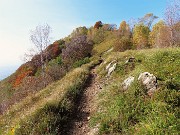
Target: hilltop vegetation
[(39, 98)]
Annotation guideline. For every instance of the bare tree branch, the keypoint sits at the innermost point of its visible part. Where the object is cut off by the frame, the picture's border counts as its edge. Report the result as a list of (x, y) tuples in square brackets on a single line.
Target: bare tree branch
[(40, 37)]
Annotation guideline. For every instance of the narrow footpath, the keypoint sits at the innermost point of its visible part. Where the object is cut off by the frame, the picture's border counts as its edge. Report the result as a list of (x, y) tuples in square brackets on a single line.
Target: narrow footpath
[(79, 125)]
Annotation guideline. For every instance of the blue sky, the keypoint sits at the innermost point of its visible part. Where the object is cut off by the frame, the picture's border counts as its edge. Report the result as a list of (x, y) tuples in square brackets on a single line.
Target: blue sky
[(18, 17)]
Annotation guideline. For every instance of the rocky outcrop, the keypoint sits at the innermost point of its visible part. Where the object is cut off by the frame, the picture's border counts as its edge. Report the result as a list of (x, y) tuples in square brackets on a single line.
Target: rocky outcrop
[(149, 81), (126, 83)]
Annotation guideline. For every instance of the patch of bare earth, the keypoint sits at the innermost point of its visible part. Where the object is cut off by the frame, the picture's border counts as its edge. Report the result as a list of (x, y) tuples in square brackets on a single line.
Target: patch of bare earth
[(79, 124)]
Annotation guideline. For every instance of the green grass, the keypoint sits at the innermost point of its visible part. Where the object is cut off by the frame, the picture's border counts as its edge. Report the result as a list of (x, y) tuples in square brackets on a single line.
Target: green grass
[(133, 111), (103, 47), (46, 111)]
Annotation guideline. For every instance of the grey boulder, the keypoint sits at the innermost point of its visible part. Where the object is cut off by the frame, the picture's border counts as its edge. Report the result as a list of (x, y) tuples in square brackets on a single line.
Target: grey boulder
[(149, 81)]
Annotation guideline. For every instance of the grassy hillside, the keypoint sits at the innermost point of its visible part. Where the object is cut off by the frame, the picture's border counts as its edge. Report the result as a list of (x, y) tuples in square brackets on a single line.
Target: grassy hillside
[(133, 111), (119, 111), (46, 111), (34, 100)]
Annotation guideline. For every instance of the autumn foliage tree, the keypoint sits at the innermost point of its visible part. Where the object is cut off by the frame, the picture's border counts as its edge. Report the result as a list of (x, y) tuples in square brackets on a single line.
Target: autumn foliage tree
[(54, 50), (160, 35), (122, 44), (80, 31), (109, 27), (124, 29), (172, 17), (76, 50), (25, 70), (148, 19), (98, 25), (177, 34), (140, 36), (96, 35)]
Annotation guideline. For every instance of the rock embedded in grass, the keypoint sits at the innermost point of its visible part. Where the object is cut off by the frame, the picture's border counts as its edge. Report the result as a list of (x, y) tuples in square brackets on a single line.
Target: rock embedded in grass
[(131, 59), (127, 82), (111, 67), (149, 81)]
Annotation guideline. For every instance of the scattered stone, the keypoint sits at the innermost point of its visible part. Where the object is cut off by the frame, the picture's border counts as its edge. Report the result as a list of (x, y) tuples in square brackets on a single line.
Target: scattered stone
[(126, 83), (110, 50), (109, 65), (111, 69), (104, 62), (131, 59), (149, 81)]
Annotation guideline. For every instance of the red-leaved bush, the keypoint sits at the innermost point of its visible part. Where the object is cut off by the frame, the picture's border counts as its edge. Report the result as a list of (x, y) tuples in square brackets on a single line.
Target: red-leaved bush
[(27, 69), (54, 50)]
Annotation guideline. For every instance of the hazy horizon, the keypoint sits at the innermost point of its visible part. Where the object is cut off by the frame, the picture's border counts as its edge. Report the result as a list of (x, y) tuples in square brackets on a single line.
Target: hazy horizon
[(7, 70)]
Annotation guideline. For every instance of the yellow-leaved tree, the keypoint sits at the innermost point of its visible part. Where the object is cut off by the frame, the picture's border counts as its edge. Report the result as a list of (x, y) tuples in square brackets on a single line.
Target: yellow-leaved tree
[(160, 35), (140, 36), (124, 30)]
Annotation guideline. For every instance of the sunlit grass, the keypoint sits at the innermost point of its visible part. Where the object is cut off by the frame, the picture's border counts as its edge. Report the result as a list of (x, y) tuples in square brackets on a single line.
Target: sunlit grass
[(132, 111)]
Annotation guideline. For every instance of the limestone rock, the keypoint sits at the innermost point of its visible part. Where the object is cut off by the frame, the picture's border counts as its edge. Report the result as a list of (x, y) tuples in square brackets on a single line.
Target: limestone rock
[(109, 65), (126, 83), (111, 69), (149, 81)]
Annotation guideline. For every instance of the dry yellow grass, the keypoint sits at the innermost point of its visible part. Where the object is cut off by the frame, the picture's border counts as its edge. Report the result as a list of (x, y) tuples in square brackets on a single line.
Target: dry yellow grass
[(51, 94)]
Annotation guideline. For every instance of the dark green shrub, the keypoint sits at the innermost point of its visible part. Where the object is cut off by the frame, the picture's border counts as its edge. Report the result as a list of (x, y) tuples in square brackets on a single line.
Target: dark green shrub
[(59, 60)]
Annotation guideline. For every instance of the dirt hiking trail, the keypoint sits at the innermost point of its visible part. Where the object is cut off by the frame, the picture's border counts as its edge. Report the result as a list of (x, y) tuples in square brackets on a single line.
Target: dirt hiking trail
[(79, 124)]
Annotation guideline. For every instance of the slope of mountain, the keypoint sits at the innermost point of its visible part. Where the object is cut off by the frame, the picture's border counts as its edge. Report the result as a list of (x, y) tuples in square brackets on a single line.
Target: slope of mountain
[(82, 91)]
